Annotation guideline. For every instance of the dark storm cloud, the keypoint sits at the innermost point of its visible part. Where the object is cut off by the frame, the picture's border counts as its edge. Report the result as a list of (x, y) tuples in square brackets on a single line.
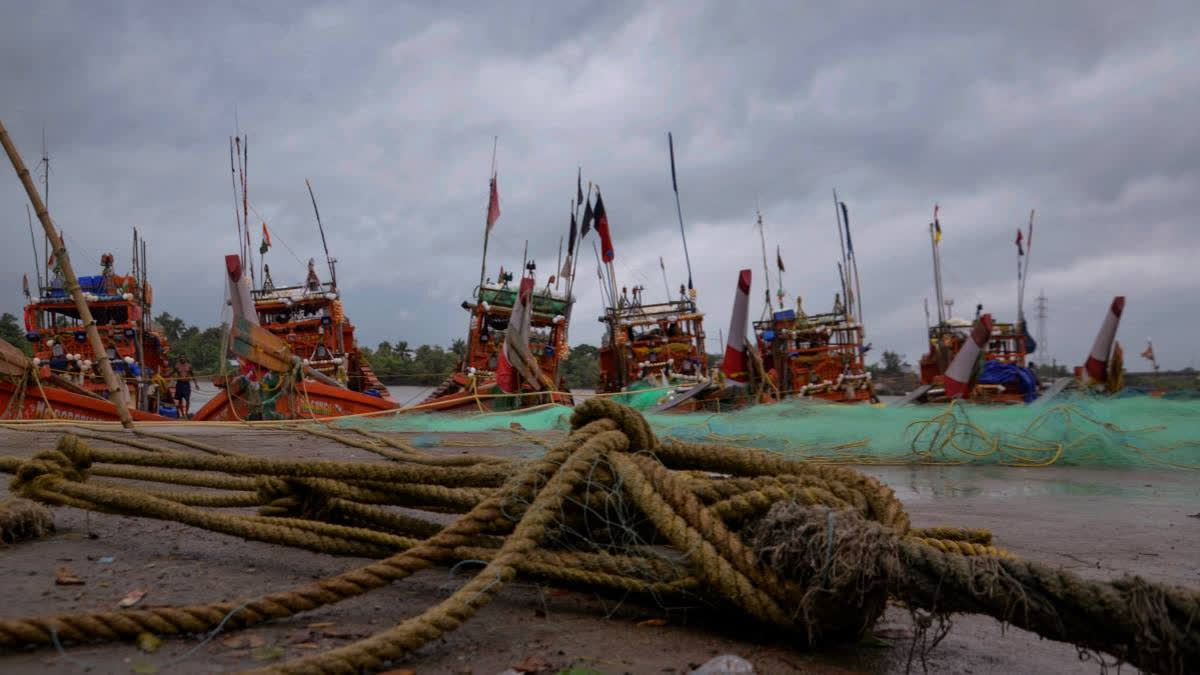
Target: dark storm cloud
[(1080, 110)]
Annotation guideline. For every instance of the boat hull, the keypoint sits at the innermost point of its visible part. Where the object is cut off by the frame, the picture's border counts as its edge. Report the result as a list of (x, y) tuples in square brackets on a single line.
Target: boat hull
[(65, 405), (463, 398), (310, 400)]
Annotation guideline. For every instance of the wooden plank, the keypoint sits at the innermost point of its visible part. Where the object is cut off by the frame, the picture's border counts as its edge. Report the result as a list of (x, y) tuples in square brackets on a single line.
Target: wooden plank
[(1055, 389), (687, 395), (260, 346), (913, 395), (13, 361)]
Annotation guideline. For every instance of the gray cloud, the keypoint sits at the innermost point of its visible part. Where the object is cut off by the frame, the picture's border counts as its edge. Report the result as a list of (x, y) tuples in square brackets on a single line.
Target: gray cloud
[(1080, 110)]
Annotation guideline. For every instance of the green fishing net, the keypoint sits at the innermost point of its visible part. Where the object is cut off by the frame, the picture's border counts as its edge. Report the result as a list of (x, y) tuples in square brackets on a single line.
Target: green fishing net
[(1080, 430)]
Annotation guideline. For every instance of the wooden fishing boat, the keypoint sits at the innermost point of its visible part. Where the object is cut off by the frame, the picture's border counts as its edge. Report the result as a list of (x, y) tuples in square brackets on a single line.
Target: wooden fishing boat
[(295, 347), (312, 320), (516, 343), (121, 306), (1005, 349), (983, 361), (816, 356), (296, 353), (32, 392), (648, 345)]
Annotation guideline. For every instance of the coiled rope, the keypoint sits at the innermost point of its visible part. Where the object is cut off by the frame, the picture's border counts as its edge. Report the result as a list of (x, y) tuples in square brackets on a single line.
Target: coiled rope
[(812, 550)]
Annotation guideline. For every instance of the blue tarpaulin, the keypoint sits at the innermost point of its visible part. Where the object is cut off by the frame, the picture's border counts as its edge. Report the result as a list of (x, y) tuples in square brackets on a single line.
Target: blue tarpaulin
[(996, 372)]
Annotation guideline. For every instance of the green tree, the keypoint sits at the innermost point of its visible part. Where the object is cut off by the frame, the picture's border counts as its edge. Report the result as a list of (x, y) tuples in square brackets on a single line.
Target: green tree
[(11, 331), (582, 367)]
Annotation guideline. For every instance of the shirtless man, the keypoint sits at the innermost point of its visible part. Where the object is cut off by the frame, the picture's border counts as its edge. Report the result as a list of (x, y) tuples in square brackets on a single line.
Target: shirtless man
[(184, 378)]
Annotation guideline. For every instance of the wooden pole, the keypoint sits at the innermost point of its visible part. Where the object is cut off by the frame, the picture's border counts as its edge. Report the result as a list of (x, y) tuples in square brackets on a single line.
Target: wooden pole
[(120, 393)]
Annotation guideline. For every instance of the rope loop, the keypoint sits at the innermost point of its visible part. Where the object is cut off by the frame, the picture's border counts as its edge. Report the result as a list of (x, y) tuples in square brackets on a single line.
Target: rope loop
[(628, 421), (69, 460)]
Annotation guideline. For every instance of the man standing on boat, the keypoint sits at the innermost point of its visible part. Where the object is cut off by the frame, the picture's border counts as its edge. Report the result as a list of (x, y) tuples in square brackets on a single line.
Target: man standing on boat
[(184, 377)]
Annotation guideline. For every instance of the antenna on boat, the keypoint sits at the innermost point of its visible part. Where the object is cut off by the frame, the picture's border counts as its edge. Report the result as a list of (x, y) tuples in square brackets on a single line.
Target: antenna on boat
[(46, 185), (679, 210), (1023, 269), (37, 266), (666, 286), (329, 260)]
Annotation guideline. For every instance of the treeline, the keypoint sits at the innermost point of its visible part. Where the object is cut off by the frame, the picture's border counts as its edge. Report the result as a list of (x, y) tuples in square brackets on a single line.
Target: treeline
[(397, 363), (201, 347), (426, 365)]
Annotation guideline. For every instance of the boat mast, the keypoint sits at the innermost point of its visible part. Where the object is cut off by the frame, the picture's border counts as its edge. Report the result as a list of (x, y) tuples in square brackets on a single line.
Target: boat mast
[(679, 212), (332, 262), (934, 236), (119, 392), (762, 239), (487, 230), (844, 265)]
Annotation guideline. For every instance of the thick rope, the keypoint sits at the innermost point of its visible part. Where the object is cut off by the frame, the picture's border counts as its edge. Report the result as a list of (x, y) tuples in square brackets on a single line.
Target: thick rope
[(591, 512)]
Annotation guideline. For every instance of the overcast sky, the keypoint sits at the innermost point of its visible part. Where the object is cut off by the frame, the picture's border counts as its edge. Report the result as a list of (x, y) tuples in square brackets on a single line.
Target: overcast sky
[(1084, 111)]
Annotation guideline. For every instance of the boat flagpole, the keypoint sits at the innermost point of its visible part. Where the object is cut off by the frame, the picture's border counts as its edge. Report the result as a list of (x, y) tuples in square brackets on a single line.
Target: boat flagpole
[(328, 260), (679, 211), (119, 392)]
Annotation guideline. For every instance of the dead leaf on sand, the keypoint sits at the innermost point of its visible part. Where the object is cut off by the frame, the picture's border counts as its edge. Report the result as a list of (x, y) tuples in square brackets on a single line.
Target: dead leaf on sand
[(243, 641), (132, 598), (532, 664), (63, 576), (652, 623)]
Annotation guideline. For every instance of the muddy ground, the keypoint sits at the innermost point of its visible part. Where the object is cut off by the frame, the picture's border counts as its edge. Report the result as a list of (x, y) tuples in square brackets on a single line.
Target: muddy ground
[(1098, 523)]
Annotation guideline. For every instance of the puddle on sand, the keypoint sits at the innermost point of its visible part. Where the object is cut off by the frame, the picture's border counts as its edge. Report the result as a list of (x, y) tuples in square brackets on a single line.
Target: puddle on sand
[(922, 483)]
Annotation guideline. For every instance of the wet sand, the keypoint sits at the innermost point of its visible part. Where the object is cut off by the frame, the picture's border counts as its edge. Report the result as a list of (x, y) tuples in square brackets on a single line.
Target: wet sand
[(1097, 523)]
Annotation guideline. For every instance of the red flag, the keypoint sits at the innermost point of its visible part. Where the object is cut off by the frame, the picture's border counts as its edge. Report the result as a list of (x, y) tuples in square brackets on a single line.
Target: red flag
[(601, 215), (493, 205), (1020, 238)]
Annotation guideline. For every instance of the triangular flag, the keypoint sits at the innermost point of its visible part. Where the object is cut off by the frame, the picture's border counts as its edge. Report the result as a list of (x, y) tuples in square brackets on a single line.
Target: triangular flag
[(601, 215), (266, 240), (1020, 238), (493, 212), (588, 217), (779, 259)]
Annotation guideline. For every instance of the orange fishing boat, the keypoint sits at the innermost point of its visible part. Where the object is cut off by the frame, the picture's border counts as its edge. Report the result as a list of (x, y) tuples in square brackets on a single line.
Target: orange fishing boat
[(648, 345), (295, 347), (121, 307), (820, 356), (817, 356), (517, 337), (297, 356), (516, 343), (983, 361)]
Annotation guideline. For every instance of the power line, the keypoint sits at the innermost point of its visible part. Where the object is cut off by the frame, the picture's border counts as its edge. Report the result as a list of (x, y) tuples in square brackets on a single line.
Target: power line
[(1043, 312)]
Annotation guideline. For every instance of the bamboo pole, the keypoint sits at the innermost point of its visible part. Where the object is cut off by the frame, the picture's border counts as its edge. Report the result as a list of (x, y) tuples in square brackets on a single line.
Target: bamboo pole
[(120, 393)]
